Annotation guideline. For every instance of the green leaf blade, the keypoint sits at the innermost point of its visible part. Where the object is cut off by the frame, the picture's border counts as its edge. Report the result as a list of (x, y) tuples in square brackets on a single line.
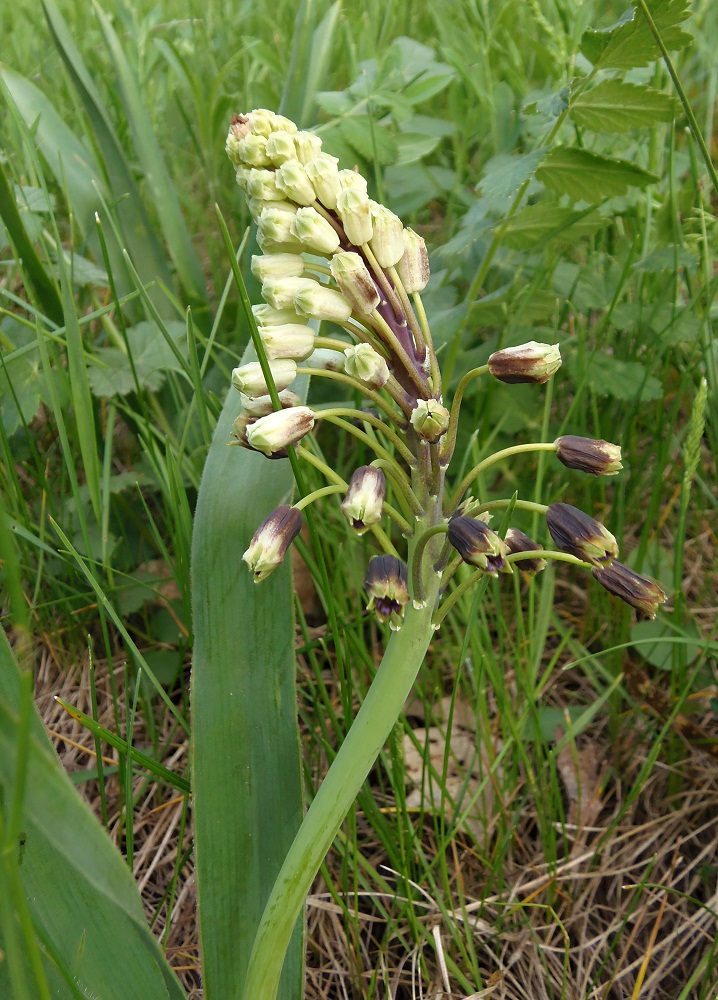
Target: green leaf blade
[(617, 106), (586, 176)]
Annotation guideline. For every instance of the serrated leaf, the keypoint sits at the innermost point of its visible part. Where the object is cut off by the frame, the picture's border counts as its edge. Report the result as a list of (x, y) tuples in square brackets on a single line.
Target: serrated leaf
[(110, 372), (628, 380), (617, 106), (412, 146), (334, 102), (630, 43), (668, 258), (586, 176), (505, 174), (540, 223), (368, 138)]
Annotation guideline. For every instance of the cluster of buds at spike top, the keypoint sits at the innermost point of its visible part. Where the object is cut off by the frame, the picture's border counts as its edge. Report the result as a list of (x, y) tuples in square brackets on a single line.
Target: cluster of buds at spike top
[(368, 285)]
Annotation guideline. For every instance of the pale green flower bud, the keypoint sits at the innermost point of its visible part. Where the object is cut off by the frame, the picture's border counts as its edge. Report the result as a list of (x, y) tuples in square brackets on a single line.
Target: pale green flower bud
[(323, 303), (278, 265), (530, 362), (260, 406), (367, 365), (265, 315), (314, 232), (307, 145), (261, 122), (280, 292), (232, 148), (282, 124), (354, 211), (262, 185), (291, 340), (430, 419), (413, 267), (355, 281), (250, 380), (293, 181), (252, 150), (271, 541), (323, 173), (278, 430), (387, 242), (325, 360), (241, 175), (352, 180), (276, 224), (363, 504), (280, 147)]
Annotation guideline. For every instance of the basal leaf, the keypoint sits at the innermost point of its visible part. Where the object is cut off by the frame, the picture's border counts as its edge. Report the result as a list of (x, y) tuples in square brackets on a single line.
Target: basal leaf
[(629, 42), (586, 176), (616, 106)]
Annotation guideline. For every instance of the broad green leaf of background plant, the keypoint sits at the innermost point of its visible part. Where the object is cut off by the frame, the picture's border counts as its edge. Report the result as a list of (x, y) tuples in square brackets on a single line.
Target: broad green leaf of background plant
[(110, 372), (84, 905), (617, 106), (246, 763), (537, 224), (629, 42), (586, 176)]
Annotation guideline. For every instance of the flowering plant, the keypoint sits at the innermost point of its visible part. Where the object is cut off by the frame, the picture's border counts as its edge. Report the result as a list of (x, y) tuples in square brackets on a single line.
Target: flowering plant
[(330, 253)]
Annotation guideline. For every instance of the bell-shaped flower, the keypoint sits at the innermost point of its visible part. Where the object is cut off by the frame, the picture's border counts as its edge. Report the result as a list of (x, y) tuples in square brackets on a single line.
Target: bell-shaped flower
[(530, 362), (275, 432), (293, 181), (367, 365), (478, 545), (290, 340), (580, 535), (641, 593), (355, 213), (314, 232), (308, 146), (387, 242), (260, 406), (355, 282), (364, 500), (323, 172), (281, 292), (517, 541), (249, 378), (323, 303), (280, 147), (386, 582), (600, 458), (277, 265), (413, 267), (271, 541)]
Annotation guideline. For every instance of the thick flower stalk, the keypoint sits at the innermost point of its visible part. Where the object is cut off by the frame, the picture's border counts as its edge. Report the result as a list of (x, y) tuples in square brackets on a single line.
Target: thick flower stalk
[(331, 255)]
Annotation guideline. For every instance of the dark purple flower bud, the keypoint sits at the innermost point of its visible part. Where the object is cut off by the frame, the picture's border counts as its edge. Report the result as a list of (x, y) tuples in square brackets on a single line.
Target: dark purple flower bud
[(580, 535), (364, 501), (271, 540), (478, 545), (641, 593), (600, 458), (386, 583), (517, 541), (530, 362)]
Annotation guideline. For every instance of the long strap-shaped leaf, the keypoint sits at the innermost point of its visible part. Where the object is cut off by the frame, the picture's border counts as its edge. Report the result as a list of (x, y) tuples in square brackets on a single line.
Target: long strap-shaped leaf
[(65, 873), (246, 764)]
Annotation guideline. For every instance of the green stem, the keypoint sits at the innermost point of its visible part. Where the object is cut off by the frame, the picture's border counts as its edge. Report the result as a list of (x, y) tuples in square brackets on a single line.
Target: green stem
[(417, 569), (357, 386), (424, 324), (392, 342), (536, 508), (516, 449), (374, 722), (325, 491), (449, 442), (368, 418), (401, 485)]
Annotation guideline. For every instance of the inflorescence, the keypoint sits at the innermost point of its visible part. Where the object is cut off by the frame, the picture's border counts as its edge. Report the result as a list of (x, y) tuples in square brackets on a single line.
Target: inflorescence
[(331, 253)]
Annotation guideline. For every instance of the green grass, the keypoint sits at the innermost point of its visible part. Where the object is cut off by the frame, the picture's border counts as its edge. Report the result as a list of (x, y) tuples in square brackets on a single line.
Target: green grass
[(119, 328)]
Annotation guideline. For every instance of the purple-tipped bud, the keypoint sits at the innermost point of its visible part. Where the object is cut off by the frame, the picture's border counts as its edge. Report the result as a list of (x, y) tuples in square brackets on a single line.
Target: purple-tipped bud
[(364, 363), (580, 535), (641, 593), (355, 282), (250, 380), (271, 540), (275, 432), (530, 362), (413, 268), (364, 500), (600, 458), (478, 545), (430, 419), (517, 541), (386, 582)]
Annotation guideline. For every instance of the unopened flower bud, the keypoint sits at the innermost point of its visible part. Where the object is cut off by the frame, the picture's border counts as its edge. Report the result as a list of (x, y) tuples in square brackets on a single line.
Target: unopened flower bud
[(601, 458), (271, 540), (478, 545), (355, 213), (530, 362), (293, 181), (322, 171), (280, 292), (275, 224), (314, 232), (239, 428), (641, 593), (290, 340), (277, 265), (355, 282), (262, 185), (323, 303), (250, 380), (387, 242), (580, 535), (260, 406), (307, 145), (278, 430), (352, 180), (280, 147), (364, 500), (364, 363), (517, 541), (265, 315), (413, 267), (252, 151), (430, 419), (261, 121), (325, 360), (386, 583)]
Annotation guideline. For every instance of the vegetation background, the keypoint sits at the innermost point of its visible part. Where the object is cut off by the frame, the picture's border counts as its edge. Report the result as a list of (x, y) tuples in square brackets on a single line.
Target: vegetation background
[(543, 820)]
